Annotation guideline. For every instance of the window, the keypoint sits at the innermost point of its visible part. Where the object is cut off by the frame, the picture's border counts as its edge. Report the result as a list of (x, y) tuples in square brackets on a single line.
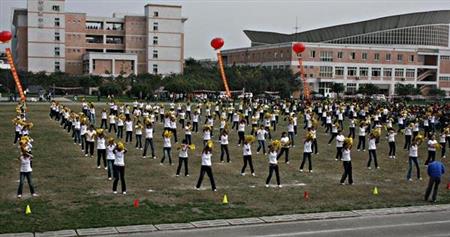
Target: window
[(326, 71), (387, 72), (339, 71), (326, 56), (352, 55), (363, 56), (312, 54), (155, 53), (400, 57), (340, 55), (410, 73), (376, 57), (411, 58), (155, 40), (376, 72), (155, 68), (399, 72), (351, 71), (57, 67), (444, 78), (363, 71), (57, 21), (445, 57), (155, 14), (388, 57), (57, 36), (155, 26), (55, 8), (57, 51)]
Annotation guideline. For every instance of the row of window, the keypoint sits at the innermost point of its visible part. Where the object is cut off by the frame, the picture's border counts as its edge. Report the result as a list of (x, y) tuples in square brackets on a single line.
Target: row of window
[(444, 78), (445, 57), (327, 72), (327, 56)]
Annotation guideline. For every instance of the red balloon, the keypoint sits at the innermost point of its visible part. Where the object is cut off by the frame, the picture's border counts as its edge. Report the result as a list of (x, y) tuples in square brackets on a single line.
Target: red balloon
[(5, 36), (298, 48), (217, 43)]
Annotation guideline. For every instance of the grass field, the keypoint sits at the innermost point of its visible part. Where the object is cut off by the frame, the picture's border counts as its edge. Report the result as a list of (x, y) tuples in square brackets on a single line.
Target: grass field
[(74, 194)]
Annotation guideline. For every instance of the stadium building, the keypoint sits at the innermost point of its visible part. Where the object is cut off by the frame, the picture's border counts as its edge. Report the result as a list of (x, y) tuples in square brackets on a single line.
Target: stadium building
[(408, 49), (47, 38)]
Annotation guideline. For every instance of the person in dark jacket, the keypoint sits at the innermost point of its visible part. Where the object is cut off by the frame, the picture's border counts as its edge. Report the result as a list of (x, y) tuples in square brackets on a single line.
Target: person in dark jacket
[(435, 171)]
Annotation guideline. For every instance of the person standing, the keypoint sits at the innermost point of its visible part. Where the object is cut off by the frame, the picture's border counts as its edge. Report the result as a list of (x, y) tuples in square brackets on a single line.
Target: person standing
[(247, 152), (119, 168), (273, 165), (391, 140), (413, 157), (90, 138), (307, 150), (261, 134), (285, 144), (224, 146), (432, 143), (408, 137), (443, 143), (25, 172), (347, 162), (339, 144), (138, 132), (183, 157), (372, 151), (167, 147), (110, 157), (362, 136), (128, 129), (101, 148), (149, 139), (435, 171), (206, 168)]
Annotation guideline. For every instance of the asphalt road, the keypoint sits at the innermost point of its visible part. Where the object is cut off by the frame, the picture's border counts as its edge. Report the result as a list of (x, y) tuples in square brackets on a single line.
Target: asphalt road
[(430, 224)]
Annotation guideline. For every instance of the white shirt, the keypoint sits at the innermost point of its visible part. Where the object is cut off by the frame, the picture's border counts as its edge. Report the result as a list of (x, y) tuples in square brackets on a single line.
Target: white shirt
[(120, 158), (149, 133), (340, 140), (413, 150), (346, 156), (110, 152), (247, 149), (25, 165), (206, 159), (183, 151), (261, 134), (362, 131), (206, 135), (129, 126), (273, 157), (307, 147), (224, 139), (372, 144), (431, 145), (90, 135), (167, 143), (442, 138), (285, 140), (241, 127), (83, 129), (77, 125), (101, 143)]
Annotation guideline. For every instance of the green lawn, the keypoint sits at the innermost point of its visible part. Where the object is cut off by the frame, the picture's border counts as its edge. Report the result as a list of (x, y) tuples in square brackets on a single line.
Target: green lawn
[(74, 194)]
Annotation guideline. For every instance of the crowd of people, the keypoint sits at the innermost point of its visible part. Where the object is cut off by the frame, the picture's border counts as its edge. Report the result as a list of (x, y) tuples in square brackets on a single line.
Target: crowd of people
[(255, 122)]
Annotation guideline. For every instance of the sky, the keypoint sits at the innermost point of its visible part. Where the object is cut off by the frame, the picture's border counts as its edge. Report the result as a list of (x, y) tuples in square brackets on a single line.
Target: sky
[(228, 18)]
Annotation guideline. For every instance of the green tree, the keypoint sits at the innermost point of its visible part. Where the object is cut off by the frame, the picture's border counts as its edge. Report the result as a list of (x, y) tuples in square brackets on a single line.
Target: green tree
[(401, 89), (437, 93), (368, 89), (337, 88)]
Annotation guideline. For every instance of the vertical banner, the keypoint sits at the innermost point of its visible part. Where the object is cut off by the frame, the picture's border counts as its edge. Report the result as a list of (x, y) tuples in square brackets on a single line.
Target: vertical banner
[(306, 92), (222, 73), (14, 74)]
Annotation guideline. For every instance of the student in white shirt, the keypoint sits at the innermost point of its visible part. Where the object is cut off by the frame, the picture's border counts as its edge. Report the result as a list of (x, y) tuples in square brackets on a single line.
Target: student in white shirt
[(432, 143), (25, 172), (339, 144), (241, 132), (183, 157), (128, 130), (413, 157), (224, 146), (167, 148), (206, 135), (261, 134), (273, 165), (247, 153), (443, 143), (76, 129), (408, 137), (112, 123), (138, 132), (101, 148), (307, 150), (372, 152), (149, 139), (110, 157), (391, 140), (347, 164), (206, 168), (104, 119), (188, 133), (83, 130), (285, 144), (119, 168), (90, 140), (362, 137), (120, 124)]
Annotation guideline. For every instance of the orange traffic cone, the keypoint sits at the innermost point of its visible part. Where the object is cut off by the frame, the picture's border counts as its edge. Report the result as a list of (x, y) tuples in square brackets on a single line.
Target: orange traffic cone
[(136, 203), (306, 195), (448, 186)]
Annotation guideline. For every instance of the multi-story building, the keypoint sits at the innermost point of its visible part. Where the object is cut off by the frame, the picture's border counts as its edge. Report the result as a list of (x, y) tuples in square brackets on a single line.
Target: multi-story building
[(47, 38), (406, 49)]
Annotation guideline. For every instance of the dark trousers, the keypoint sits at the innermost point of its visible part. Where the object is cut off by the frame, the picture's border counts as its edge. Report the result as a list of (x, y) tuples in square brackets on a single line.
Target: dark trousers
[(174, 132), (83, 142), (149, 141), (119, 173), (110, 165), (347, 172), (24, 175), (361, 142), (372, 155), (416, 163), (314, 146), (120, 132), (138, 141), (333, 135), (188, 138), (248, 159), (284, 150), (167, 150), (223, 151), (112, 126), (16, 137), (77, 138), (195, 126), (89, 148), (129, 136), (431, 157), (182, 160), (241, 138), (338, 153), (206, 169), (407, 142), (391, 148), (103, 124), (261, 144), (306, 155), (268, 132), (101, 155), (272, 168), (351, 133), (291, 137), (443, 148), (434, 181)]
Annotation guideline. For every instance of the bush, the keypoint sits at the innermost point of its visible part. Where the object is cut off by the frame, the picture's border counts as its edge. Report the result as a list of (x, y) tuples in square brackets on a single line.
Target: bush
[(110, 89)]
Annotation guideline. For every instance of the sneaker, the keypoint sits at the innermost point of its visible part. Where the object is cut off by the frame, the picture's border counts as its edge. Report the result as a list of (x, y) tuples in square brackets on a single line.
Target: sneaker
[(197, 189), (280, 186), (267, 185), (393, 157), (86, 155), (409, 179), (124, 193), (34, 195), (420, 178), (364, 150), (287, 162), (242, 174), (154, 157), (144, 157), (115, 192), (106, 168), (369, 168), (253, 174), (160, 163), (215, 190), (257, 152), (221, 161), (301, 170), (98, 167), (239, 144), (109, 178), (378, 167), (342, 183), (187, 175), (177, 175), (19, 196), (265, 154), (358, 150), (310, 171)]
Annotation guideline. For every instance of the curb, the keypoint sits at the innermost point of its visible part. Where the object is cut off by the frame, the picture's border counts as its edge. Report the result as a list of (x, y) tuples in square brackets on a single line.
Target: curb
[(234, 222)]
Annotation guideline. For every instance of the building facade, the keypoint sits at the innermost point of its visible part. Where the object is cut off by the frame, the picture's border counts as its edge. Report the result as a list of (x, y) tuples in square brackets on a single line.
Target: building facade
[(405, 49), (47, 38)]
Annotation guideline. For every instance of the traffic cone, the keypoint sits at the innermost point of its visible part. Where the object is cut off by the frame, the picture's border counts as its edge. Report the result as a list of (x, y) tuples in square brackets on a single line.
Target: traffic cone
[(448, 186), (225, 199), (136, 203), (306, 195), (375, 191), (28, 210)]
